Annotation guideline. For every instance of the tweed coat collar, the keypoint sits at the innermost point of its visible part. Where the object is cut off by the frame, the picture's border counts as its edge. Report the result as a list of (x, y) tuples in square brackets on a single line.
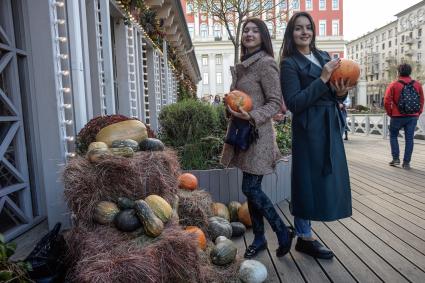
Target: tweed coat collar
[(239, 67)]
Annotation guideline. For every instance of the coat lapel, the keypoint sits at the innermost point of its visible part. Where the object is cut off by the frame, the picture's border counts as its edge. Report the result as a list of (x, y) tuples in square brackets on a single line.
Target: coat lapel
[(239, 68), (307, 67)]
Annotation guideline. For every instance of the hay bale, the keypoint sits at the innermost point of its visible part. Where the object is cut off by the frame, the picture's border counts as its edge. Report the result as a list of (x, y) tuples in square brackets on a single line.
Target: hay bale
[(102, 254), (113, 176), (195, 208)]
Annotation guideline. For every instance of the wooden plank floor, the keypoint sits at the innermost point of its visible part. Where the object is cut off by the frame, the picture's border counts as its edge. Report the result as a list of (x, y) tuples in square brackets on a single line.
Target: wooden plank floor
[(384, 240)]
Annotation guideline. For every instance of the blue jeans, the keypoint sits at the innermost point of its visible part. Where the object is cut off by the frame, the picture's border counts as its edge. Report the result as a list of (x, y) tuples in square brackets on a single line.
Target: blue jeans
[(259, 205), (407, 123), (302, 227)]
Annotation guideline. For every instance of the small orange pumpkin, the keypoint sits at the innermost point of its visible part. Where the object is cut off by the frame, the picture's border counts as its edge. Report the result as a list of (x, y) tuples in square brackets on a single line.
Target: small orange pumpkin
[(243, 214), (348, 70), (237, 98), (188, 182), (202, 240)]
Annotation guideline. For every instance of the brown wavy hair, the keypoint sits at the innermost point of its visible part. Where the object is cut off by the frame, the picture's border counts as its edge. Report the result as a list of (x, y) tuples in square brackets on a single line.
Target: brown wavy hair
[(266, 41)]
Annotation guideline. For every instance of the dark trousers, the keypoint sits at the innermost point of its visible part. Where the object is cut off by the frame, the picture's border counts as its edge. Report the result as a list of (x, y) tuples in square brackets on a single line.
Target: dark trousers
[(259, 205), (408, 124)]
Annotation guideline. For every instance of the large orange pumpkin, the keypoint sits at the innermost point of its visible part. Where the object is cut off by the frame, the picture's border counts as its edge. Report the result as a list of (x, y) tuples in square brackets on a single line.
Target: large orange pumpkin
[(202, 240), (243, 214), (188, 181), (237, 98), (349, 70)]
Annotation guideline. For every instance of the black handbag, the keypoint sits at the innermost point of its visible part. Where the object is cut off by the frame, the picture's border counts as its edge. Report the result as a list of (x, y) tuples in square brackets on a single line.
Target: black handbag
[(241, 133)]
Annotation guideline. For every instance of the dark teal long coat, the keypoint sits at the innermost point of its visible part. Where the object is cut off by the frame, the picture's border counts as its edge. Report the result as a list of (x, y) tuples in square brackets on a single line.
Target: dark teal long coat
[(320, 187)]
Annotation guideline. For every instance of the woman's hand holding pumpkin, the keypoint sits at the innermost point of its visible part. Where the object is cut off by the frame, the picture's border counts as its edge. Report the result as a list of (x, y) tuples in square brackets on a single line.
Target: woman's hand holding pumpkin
[(328, 69), (341, 87), (241, 115)]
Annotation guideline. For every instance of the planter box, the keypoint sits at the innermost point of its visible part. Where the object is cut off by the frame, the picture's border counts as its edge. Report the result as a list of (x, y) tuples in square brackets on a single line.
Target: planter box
[(225, 185)]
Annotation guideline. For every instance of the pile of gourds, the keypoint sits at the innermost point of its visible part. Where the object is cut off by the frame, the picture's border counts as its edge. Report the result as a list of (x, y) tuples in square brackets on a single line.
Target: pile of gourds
[(128, 215), (122, 139)]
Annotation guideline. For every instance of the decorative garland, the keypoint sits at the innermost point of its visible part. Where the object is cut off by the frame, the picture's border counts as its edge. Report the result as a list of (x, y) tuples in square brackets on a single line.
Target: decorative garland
[(152, 26)]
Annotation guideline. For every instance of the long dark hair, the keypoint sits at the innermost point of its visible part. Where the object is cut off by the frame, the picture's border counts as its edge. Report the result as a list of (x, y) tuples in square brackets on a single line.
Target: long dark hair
[(266, 41), (288, 46)]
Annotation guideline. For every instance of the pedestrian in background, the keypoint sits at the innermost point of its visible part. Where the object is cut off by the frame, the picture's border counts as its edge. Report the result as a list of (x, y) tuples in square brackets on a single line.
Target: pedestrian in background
[(404, 102)]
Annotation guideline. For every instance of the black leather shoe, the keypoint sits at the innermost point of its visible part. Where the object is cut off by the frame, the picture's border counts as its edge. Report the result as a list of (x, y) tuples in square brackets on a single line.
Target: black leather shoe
[(252, 250), (313, 248), (284, 249), (394, 162)]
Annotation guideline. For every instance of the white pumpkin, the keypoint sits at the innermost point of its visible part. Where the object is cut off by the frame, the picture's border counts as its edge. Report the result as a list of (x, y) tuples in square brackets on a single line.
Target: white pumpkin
[(252, 271)]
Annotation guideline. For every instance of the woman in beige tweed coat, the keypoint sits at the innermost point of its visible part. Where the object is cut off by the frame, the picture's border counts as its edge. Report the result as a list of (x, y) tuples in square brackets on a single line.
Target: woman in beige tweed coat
[(258, 76)]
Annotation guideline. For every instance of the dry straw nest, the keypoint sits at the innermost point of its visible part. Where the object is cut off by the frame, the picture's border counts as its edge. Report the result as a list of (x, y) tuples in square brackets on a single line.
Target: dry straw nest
[(103, 254), (112, 177)]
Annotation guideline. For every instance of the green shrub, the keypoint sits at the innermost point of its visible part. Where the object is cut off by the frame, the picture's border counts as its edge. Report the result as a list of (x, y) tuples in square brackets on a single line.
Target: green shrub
[(196, 130), (284, 137)]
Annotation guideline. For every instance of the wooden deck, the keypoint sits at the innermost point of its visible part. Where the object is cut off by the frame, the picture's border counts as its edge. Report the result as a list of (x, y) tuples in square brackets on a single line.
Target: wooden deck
[(384, 240)]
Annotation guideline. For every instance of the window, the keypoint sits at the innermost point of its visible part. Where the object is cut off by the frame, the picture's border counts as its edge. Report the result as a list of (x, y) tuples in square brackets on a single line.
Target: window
[(282, 28), (335, 27), (389, 43), (270, 28), (189, 8), (420, 32), (383, 36), (191, 31), (335, 4), (296, 4), (308, 5), (322, 4), (217, 31), (282, 5), (390, 33), (204, 60), (383, 46), (357, 47), (218, 59), (335, 55), (419, 56), (322, 27), (402, 38), (232, 29), (419, 44), (205, 79), (204, 30), (219, 79)]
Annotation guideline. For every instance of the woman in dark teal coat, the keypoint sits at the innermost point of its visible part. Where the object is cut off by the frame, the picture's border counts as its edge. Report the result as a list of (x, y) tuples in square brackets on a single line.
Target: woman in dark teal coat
[(320, 180)]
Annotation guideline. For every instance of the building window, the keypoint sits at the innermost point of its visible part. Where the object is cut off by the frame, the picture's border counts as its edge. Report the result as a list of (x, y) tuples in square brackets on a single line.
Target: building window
[(308, 5), (282, 5), (322, 27), (383, 46), (419, 44), (218, 59), (335, 27), (217, 31), (296, 4), (335, 55), (267, 5), (322, 4), (191, 31), (420, 32), (204, 30), (204, 60), (390, 33), (205, 79), (402, 38), (419, 56), (383, 36), (335, 4), (189, 8), (232, 29), (219, 80), (270, 28), (389, 43)]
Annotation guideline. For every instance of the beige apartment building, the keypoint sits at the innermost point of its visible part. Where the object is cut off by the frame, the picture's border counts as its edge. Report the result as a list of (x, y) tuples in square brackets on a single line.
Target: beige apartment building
[(380, 51)]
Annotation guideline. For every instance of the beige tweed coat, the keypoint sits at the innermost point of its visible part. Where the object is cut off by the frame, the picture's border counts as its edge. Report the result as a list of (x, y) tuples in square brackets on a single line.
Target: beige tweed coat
[(258, 76)]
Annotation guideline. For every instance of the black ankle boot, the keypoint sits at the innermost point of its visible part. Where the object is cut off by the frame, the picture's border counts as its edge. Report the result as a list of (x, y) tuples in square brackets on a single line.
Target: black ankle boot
[(284, 249), (252, 250)]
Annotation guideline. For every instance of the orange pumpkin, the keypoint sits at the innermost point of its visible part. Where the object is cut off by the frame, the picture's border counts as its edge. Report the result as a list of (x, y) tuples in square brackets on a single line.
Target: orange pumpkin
[(237, 98), (202, 240), (188, 181), (243, 214), (348, 70)]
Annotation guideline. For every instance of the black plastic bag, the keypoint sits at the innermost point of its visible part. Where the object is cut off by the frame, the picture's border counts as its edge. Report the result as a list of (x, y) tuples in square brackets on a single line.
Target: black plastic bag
[(47, 258)]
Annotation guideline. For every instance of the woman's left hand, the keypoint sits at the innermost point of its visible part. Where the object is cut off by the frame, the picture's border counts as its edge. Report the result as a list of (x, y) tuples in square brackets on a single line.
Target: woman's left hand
[(241, 115), (342, 87)]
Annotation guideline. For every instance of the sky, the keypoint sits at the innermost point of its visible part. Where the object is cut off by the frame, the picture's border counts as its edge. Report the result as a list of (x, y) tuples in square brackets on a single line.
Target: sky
[(363, 16)]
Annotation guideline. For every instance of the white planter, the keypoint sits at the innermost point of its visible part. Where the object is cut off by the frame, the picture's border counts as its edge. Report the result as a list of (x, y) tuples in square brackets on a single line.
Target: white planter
[(225, 185)]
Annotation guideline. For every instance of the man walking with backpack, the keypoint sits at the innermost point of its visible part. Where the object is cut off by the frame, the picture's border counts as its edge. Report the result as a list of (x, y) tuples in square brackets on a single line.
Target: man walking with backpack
[(403, 102)]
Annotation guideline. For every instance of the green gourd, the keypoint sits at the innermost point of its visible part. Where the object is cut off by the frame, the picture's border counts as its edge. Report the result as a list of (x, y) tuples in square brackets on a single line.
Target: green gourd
[(152, 224)]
